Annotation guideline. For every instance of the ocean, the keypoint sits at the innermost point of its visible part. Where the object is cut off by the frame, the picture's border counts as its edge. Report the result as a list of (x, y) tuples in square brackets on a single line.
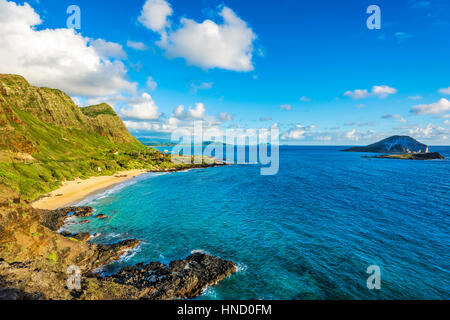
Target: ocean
[(309, 232)]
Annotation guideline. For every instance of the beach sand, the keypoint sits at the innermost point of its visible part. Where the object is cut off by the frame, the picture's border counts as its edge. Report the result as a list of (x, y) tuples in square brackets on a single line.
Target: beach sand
[(77, 190)]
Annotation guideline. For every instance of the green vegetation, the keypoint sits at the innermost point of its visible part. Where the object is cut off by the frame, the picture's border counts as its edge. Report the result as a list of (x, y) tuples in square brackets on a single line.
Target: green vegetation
[(52, 257), (99, 109), (46, 139)]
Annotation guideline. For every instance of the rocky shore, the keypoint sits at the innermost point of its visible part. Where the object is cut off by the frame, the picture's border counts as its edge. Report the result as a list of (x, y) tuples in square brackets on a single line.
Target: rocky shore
[(410, 156), (34, 261)]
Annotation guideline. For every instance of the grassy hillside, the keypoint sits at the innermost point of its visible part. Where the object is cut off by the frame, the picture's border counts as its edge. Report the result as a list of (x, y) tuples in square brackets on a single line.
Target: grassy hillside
[(45, 139)]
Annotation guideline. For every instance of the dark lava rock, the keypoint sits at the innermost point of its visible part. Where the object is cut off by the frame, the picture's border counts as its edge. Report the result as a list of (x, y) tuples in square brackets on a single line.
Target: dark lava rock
[(108, 253), (83, 237), (413, 156), (185, 278), (54, 219), (101, 216), (427, 156)]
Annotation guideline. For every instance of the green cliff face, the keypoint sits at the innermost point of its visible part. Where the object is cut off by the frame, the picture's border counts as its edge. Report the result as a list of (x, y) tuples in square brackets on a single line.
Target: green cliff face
[(45, 139)]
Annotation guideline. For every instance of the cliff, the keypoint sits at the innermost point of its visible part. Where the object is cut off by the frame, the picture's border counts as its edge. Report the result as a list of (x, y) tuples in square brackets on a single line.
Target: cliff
[(45, 138), (394, 144)]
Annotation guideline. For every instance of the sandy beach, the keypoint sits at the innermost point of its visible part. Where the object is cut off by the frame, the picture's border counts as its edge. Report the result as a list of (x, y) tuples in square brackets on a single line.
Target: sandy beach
[(77, 190)]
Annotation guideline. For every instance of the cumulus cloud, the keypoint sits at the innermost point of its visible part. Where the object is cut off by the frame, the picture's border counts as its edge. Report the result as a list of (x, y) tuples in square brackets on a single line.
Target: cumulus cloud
[(198, 112), (191, 113), (297, 133), (108, 49), (142, 109), (377, 91), (227, 45), (430, 131), (439, 107), (444, 90), (140, 46), (286, 107), (58, 58), (154, 14), (355, 135)]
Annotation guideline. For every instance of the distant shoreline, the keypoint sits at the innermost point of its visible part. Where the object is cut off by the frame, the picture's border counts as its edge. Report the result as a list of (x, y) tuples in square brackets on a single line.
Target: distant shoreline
[(77, 190)]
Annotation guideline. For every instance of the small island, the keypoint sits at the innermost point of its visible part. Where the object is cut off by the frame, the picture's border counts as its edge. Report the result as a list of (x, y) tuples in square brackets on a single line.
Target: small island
[(398, 147), (410, 156)]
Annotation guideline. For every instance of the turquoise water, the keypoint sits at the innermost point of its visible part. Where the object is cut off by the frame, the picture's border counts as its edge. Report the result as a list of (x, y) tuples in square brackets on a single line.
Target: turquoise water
[(309, 232)]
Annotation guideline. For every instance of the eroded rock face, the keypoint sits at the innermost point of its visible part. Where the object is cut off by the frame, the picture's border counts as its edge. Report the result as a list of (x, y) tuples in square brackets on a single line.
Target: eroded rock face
[(54, 219), (185, 278)]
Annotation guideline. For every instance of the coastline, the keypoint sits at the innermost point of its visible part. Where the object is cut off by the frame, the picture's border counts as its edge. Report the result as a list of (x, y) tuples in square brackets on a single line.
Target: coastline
[(77, 190)]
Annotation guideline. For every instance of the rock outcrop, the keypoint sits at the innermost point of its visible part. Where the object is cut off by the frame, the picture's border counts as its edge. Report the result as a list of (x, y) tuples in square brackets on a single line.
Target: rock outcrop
[(185, 278), (34, 260), (394, 144), (412, 156)]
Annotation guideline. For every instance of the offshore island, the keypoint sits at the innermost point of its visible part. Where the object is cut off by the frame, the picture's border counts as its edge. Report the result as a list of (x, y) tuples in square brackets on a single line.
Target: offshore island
[(398, 147), (53, 153)]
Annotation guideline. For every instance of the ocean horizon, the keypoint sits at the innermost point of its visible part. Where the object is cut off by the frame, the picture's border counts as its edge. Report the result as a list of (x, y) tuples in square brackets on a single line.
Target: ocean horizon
[(309, 232)]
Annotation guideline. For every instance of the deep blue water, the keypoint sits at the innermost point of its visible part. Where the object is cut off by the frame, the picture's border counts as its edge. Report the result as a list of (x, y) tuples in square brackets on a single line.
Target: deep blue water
[(309, 232)]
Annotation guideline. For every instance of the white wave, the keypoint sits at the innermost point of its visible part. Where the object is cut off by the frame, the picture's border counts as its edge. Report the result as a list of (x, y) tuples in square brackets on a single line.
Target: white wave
[(241, 267), (116, 188), (200, 251), (128, 254)]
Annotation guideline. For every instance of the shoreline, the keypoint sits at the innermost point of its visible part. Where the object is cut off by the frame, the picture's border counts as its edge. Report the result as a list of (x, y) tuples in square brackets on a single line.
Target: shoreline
[(76, 190)]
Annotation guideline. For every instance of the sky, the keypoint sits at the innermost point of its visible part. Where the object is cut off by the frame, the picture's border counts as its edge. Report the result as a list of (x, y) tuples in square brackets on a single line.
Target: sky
[(311, 69)]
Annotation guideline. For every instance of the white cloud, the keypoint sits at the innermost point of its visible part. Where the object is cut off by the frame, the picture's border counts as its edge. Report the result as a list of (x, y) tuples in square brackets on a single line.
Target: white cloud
[(355, 135), (108, 49), (305, 99), (198, 112), (192, 113), (297, 133), (201, 86), (142, 109), (137, 45), (151, 83), (430, 131), (154, 14), (447, 122), (58, 58), (207, 44), (286, 107), (377, 91), (223, 116), (395, 116), (439, 107), (444, 90)]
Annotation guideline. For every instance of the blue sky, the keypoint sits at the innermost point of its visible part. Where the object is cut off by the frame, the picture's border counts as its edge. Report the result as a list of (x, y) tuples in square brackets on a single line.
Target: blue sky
[(295, 64)]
